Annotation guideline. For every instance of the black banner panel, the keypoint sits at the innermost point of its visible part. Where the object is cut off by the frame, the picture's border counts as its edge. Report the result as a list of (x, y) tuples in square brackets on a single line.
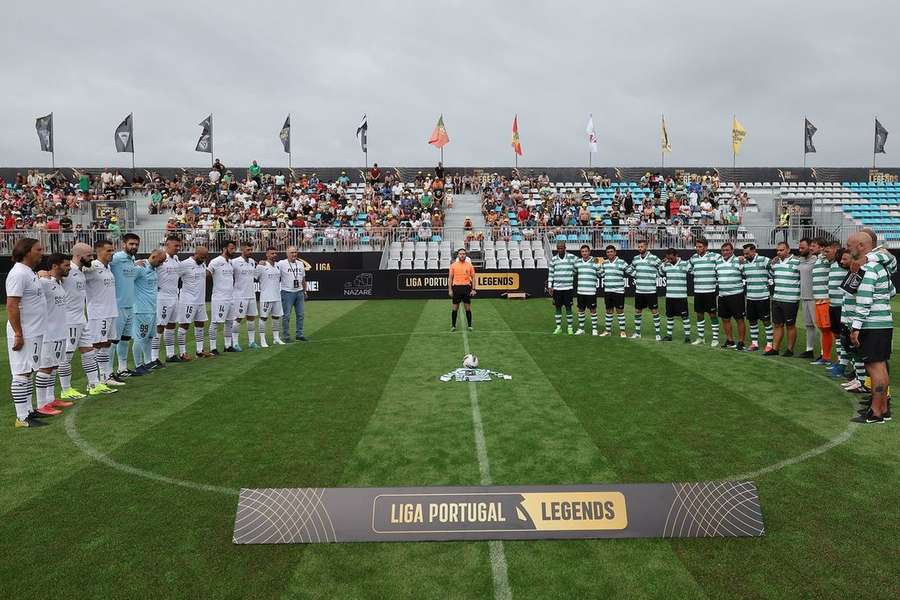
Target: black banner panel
[(664, 510)]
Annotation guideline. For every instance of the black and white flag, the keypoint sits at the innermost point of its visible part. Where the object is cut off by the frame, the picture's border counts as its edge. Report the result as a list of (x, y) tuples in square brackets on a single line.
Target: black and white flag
[(44, 126), (124, 135), (285, 135), (362, 134), (204, 144), (880, 137), (809, 131)]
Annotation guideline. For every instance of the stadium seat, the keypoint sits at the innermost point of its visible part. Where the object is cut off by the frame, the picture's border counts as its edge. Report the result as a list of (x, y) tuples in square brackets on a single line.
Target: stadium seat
[(406, 265)]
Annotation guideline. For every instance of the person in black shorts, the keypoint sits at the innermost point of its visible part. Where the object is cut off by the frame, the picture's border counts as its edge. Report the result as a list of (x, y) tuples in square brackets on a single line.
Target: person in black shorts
[(731, 305), (614, 290), (835, 254)]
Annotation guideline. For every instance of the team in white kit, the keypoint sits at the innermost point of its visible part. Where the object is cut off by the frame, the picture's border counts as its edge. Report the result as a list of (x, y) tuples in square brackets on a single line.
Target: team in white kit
[(96, 302)]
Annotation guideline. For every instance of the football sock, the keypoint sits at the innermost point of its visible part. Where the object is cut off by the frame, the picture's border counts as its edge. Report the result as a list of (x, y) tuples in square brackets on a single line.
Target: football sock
[(621, 322), (811, 338), (89, 364), (20, 388), (860, 371), (154, 348), (714, 321), (276, 331), (656, 323), (670, 325), (827, 343), (227, 333), (44, 384), (686, 328), (103, 363), (637, 323), (65, 371), (581, 320), (213, 336), (569, 318), (469, 317), (594, 321), (122, 354), (842, 354), (182, 340), (453, 316), (770, 332), (608, 322), (558, 318), (169, 342), (701, 329), (199, 335)]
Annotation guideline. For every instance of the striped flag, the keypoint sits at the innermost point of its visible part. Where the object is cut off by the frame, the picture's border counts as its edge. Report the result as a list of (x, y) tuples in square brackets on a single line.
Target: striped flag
[(880, 137), (516, 144), (439, 137), (362, 133)]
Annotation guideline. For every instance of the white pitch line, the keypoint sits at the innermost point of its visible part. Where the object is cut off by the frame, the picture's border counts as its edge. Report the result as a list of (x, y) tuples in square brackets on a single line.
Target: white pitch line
[(502, 590)]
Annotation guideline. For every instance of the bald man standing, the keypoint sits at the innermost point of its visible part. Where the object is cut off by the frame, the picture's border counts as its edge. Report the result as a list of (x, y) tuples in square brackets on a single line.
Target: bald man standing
[(293, 292), (871, 330)]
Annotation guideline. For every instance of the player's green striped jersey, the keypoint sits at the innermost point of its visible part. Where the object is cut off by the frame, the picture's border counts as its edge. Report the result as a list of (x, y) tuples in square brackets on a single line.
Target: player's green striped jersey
[(836, 275), (756, 273), (729, 274), (704, 270), (562, 272), (787, 279), (848, 310), (676, 278), (873, 298), (820, 272), (588, 273), (614, 276), (644, 269)]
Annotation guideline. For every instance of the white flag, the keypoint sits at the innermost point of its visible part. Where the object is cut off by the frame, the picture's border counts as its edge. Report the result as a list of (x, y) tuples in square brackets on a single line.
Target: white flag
[(592, 135)]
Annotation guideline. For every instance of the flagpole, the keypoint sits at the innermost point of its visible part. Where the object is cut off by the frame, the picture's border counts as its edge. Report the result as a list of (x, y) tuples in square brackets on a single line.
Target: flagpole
[(873, 144), (132, 148), (212, 160), (804, 141)]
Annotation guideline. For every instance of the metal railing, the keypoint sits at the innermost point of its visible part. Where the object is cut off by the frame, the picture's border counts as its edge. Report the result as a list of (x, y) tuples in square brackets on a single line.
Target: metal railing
[(355, 239)]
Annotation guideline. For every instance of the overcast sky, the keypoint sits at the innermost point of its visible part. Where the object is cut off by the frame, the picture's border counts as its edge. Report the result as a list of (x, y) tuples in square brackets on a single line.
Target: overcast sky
[(478, 63)]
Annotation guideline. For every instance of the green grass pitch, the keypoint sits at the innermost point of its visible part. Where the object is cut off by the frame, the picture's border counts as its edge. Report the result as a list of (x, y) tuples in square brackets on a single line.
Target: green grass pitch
[(361, 405)]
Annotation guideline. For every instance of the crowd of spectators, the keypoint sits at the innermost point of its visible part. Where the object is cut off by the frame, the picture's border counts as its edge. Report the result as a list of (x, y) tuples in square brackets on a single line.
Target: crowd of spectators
[(659, 207), (284, 207)]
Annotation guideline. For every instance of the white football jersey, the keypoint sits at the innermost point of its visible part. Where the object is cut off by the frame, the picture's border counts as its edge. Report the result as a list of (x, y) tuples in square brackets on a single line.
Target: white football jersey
[(75, 287), (101, 292), (55, 325), (269, 282), (244, 274), (193, 282), (167, 279), (22, 282), (223, 278)]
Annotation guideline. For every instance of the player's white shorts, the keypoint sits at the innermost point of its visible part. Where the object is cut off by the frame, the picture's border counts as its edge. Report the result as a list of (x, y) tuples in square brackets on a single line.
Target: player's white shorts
[(52, 353), (245, 307), (124, 322), (101, 330), (222, 310), (26, 359), (144, 326), (166, 311), (271, 309), (78, 338), (190, 313)]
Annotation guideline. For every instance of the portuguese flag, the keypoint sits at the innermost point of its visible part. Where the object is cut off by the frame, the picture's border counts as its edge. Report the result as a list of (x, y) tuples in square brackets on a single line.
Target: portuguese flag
[(516, 144), (439, 137)]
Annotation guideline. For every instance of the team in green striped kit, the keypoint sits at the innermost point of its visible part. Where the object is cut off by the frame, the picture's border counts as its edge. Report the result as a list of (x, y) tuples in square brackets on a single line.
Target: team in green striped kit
[(851, 290)]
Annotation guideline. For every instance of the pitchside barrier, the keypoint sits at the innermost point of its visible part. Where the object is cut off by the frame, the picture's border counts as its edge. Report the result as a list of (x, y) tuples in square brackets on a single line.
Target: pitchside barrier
[(355, 275)]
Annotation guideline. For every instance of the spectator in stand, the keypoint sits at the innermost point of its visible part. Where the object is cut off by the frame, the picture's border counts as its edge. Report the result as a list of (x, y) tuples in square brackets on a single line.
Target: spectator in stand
[(254, 173)]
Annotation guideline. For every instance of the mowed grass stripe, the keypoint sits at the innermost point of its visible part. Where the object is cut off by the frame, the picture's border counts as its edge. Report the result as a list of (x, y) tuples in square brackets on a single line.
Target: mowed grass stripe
[(111, 534), (533, 437), (420, 434), (699, 414), (108, 422)]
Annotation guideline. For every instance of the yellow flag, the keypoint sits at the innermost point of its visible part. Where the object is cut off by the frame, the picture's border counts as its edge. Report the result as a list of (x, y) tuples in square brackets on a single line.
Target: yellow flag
[(737, 135)]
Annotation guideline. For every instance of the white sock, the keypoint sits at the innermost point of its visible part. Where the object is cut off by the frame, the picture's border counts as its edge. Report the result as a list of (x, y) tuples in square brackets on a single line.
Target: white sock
[(261, 329), (213, 336), (811, 338), (276, 330), (65, 371), (169, 342), (182, 341), (199, 334), (229, 342), (44, 384), (89, 364), (103, 364), (20, 388), (154, 347)]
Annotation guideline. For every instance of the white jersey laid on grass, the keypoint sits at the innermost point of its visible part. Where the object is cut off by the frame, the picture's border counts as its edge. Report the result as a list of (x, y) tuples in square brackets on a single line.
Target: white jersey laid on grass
[(76, 289), (193, 282), (269, 282), (101, 292), (244, 275), (223, 278), (167, 280)]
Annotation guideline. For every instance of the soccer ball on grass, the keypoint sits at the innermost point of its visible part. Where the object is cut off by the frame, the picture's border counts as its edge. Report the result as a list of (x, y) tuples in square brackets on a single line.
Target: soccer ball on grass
[(470, 361)]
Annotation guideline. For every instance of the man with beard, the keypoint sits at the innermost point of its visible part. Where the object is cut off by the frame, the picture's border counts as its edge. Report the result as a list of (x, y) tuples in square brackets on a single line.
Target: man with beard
[(730, 278), (587, 271), (192, 301), (613, 274), (644, 269), (759, 307), (222, 272), (123, 269), (786, 298), (560, 285), (805, 266), (675, 271), (145, 289)]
